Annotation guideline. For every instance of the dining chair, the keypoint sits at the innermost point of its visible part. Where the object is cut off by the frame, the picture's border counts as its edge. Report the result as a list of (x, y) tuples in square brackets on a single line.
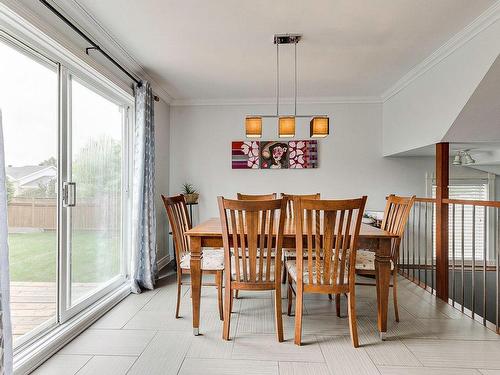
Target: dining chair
[(290, 253), (252, 234), (255, 197), (291, 197), (212, 261), (326, 234), (396, 213)]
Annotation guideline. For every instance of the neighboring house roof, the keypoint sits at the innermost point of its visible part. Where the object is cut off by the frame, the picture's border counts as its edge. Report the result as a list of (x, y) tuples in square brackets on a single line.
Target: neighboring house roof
[(29, 173)]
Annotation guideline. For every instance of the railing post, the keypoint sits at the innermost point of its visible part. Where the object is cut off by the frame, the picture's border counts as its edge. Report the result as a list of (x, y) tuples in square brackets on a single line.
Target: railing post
[(442, 215)]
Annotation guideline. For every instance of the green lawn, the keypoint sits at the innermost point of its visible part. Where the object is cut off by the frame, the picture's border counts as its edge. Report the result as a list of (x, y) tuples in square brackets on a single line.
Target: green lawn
[(95, 256)]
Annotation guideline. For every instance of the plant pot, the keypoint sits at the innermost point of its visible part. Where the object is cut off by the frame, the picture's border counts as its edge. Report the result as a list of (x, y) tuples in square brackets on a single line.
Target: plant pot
[(191, 198)]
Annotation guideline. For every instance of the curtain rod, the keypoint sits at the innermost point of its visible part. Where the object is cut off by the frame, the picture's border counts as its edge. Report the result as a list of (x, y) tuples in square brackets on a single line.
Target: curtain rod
[(94, 45)]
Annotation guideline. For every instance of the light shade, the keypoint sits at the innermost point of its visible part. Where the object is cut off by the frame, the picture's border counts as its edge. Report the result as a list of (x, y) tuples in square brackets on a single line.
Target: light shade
[(468, 159), (320, 127), (286, 126), (457, 160), (253, 127)]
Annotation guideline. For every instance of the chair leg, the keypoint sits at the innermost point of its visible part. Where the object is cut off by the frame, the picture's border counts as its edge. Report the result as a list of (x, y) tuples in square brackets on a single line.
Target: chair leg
[(353, 327), (236, 294), (277, 311), (283, 276), (395, 295), (179, 287), (218, 281), (337, 304), (298, 314), (289, 296), (330, 297), (228, 296)]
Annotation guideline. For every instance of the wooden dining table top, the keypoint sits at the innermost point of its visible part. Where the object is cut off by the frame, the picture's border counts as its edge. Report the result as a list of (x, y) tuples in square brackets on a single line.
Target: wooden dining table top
[(213, 228)]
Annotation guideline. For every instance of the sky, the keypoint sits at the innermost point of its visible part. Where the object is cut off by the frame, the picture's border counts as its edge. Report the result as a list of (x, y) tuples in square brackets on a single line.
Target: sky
[(28, 101)]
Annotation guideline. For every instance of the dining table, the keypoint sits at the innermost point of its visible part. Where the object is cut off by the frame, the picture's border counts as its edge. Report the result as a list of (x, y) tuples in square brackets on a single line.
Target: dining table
[(208, 234)]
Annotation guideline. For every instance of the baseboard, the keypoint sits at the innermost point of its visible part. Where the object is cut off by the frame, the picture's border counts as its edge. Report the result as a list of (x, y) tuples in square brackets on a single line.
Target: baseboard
[(163, 262), (35, 354)]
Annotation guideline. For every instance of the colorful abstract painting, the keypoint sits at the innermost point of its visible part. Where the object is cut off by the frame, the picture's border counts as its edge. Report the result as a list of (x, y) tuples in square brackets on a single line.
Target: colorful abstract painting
[(245, 155), (274, 154), (303, 154)]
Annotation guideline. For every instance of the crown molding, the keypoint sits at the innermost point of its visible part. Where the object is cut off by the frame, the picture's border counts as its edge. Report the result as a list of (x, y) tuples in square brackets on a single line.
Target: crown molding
[(485, 20), (82, 17), (272, 101)]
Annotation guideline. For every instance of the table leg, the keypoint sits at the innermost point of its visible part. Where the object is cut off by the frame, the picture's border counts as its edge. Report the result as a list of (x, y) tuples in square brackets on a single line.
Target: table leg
[(383, 275), (196, 274)]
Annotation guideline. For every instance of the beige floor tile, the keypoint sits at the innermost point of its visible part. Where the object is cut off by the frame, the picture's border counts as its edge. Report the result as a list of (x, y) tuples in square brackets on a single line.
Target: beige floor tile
[(342, 358), (163, 355), (193, 366), (256, 315), (109, 342), (211, 345), (389, 352), (489, 372), (109, 365), (461, 329), (117, 317), (267, 347), (166, 321), (456, 353), (301, 368), (425, 371), (62, 365)]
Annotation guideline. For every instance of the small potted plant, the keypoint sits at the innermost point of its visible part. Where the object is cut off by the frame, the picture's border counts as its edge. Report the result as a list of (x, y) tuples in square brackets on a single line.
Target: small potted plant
[(190, 193)]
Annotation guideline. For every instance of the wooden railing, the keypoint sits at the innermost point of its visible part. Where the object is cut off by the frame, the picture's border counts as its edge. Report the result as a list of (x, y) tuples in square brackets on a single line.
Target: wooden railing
[(473, 255)]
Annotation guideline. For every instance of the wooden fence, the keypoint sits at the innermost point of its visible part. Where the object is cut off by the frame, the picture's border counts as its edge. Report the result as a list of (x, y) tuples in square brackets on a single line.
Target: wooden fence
[(41, 213)]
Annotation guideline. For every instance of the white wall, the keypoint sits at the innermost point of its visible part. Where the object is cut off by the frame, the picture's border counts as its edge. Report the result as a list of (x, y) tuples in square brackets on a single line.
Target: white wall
[(421, 113), (162, 170), (350, 159)]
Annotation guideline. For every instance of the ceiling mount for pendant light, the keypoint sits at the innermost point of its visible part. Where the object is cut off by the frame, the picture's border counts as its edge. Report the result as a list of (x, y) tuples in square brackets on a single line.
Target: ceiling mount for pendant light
[(319, 125), (463, 158)]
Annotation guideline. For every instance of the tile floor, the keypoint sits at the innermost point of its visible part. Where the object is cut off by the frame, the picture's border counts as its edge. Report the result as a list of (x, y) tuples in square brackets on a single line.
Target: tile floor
[(141, 336)]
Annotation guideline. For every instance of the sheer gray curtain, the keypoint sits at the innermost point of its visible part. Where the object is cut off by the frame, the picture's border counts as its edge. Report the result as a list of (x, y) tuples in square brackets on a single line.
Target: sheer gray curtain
[(5, 327), (144, 268)]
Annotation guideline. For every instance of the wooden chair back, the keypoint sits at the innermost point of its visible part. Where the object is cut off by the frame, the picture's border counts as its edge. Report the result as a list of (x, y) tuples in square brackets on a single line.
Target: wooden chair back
[(327, 234), (256, 197), (396, 214), (252, 234), (291, 197), (179, 223)]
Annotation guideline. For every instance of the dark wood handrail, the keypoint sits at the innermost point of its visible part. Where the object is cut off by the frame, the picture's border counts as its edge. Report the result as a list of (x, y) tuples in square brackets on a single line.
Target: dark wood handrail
[(425, 200), (471, 202)]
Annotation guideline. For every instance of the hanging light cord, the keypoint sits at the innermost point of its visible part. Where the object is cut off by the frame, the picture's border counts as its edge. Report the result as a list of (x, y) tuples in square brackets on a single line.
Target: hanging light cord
[(295, 52), (277, 80)]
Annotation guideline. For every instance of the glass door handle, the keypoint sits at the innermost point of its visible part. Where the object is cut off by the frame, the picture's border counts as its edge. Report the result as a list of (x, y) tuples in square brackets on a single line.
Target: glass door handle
[(69, 194)]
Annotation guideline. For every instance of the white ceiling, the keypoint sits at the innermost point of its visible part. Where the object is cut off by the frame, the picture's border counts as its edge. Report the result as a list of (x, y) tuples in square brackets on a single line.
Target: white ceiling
[(222, 49)]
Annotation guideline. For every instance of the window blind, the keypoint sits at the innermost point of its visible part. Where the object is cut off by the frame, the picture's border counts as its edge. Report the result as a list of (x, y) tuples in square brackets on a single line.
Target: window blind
[(477, 190)]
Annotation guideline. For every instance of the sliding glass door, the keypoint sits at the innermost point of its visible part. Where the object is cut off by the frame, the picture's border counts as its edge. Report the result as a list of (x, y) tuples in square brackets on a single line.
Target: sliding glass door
[(29, 105), (66, 145), (94, 192)]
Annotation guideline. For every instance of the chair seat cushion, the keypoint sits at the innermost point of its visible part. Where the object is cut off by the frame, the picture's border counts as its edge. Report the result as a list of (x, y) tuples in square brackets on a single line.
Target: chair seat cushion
[(213, 260), (365, 260), (291, 266), (264, 270)]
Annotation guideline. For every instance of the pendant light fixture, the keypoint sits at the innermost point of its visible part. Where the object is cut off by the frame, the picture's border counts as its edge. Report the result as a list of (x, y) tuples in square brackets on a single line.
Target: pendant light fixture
[(253, 127), (319, 124)]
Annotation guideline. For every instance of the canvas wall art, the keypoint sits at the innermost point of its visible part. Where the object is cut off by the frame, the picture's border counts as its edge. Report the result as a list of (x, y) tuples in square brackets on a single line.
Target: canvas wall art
[(275, 154)]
